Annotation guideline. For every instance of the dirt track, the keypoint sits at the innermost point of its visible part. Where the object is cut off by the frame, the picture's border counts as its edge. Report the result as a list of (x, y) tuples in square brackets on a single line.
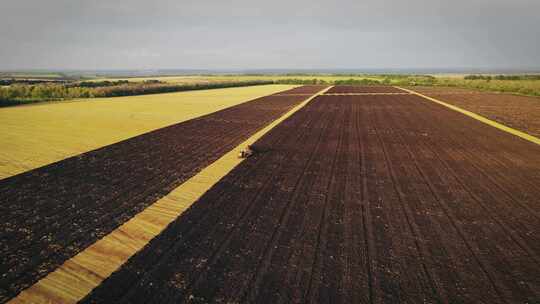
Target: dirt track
[(51, 213), (518, 112), (358, 199)]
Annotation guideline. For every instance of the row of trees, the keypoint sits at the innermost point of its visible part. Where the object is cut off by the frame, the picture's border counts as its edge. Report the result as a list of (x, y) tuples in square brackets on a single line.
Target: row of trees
[(97, 84), (352, 81), (362, 81), (22, 94), (17, 94), (7, 82), (502, 77), (405, 80), (300, 81)]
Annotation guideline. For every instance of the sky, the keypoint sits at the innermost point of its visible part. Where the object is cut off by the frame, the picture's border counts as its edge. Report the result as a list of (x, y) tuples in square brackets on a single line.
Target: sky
[(242, 34)]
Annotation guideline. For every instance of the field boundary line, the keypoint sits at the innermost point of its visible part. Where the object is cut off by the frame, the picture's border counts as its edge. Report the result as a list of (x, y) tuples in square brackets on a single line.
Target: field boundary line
[(297, 94), (480, 118), (78, 276), (360, 94)]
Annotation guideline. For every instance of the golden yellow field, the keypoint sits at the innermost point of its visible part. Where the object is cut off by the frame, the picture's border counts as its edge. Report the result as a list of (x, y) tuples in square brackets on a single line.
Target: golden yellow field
[(36, 135)]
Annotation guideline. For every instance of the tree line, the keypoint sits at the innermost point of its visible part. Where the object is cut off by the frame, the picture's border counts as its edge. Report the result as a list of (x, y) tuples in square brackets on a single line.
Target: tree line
[(24, 94), (502, 77)]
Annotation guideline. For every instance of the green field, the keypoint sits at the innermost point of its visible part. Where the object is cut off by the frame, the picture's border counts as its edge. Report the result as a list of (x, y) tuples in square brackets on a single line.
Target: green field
[(36, 135)]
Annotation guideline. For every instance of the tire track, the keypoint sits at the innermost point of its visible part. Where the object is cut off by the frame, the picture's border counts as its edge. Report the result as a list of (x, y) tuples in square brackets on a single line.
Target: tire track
[(494, 268), (483, 141), (312, 293), (442, 204), (287, 249), (414, 230), (272, 245), (365, 199), (282, 217), (493, 215)]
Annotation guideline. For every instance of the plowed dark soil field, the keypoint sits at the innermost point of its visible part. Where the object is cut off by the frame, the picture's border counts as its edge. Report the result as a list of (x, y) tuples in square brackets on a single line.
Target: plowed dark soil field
[(363, 89), (308, 89), (519, 112), (443, 90), (51, 213), (356, 199)]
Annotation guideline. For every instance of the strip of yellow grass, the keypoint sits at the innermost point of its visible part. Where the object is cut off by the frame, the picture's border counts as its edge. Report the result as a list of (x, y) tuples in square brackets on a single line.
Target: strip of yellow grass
[(36, 135), (490, 122), (79, 275), (361, 94)]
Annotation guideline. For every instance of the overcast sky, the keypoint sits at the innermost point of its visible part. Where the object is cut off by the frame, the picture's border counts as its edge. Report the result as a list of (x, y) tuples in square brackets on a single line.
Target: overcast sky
[(243, 34)]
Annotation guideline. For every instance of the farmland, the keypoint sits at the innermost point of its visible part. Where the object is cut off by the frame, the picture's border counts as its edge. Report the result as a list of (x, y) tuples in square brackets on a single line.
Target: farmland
[(357, 199), (360, 89), (519, 112), (29, 90), (367, 194), (239, 77), (36, 135), (53, 212), (523, 86)]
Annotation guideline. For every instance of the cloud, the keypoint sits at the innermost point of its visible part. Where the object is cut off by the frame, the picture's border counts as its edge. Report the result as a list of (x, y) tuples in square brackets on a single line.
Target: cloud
[(265, 34)]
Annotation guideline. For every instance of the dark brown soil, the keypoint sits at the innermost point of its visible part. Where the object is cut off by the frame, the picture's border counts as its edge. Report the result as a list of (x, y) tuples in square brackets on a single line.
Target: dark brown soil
[(51, 213), (442, 90), (364, 89), (518, 112), (308, 89), (359, 199)]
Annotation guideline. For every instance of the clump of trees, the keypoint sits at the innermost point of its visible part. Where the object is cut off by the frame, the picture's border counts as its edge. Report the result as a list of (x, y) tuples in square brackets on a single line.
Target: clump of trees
[(97, 84), (23, 94)]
